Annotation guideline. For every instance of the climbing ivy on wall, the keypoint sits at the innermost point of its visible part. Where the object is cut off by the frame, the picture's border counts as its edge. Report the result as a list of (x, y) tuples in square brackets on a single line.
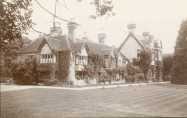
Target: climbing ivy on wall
[(64, 62)]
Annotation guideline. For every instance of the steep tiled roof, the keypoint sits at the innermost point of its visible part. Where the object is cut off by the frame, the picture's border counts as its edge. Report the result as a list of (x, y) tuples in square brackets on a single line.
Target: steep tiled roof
[(33, 47), (92, 47), (57, 43), (98, 49), (76, 46), (107, 51)]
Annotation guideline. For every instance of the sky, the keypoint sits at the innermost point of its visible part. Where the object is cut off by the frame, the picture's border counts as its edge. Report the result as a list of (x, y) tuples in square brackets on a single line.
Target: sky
[(161, 18)]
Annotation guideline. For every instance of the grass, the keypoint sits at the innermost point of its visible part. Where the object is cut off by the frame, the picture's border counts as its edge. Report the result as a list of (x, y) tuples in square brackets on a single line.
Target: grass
[(130, 101)]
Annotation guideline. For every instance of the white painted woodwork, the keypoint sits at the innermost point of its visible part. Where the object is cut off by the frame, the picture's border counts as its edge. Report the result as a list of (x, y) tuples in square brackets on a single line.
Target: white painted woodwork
[(47, 55), (120, 60), (81, 58), (46, 50), (83, 52)]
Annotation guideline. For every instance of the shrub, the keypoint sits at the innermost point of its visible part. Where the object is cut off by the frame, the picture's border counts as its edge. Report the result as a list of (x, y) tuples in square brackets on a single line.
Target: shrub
[(139, 77), (145, 61), (25, 73), (130, 78), (130, 69), (50, 82), (167, 67)]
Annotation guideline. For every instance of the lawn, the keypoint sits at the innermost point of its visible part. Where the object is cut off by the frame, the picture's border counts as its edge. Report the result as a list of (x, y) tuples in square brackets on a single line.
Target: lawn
[(144, 100)]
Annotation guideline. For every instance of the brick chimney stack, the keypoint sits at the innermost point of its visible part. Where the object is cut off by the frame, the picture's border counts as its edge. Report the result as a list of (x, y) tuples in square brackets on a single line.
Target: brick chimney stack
[(131, 28), (146, 35), (101, 38), (56, 30), (71, 28)]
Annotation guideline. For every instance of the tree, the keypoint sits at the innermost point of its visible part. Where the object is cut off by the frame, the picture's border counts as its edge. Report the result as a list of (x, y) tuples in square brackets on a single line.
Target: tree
[(14, 21), (180, 56), (103, 7), (145, 61), (25, 73), (167, 66)]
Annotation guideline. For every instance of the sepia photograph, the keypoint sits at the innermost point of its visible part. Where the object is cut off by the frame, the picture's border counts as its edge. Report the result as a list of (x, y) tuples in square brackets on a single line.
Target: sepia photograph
[(93, 58)]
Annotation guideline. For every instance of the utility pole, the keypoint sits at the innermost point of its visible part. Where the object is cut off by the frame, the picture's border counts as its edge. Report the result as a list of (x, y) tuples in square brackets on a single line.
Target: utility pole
[(54, 23)]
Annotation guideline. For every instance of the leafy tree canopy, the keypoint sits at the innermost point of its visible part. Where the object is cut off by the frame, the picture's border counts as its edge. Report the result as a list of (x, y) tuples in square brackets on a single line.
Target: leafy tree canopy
[(182, 37), (103, 7), (14, 21), (180, 56), (145, 61)]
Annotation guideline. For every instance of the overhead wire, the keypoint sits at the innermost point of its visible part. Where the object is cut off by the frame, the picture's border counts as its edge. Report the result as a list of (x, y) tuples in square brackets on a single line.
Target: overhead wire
[(37, 31), (49, 12)]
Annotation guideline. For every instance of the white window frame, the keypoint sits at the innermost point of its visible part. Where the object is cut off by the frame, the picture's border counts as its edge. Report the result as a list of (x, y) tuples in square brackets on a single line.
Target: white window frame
[(47, 58), (81, 60)]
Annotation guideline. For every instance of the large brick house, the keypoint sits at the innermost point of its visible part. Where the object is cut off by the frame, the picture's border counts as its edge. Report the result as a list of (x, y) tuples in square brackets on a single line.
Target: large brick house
[(66, 59)]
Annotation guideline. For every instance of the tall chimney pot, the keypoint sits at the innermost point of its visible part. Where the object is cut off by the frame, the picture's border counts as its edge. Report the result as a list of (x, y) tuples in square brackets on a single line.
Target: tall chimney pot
[(131, 27)]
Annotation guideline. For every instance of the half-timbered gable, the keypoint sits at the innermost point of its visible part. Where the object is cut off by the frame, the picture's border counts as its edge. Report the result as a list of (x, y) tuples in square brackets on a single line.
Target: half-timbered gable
[(80, 55), (131, 46), (46, 55), (52, 54)]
